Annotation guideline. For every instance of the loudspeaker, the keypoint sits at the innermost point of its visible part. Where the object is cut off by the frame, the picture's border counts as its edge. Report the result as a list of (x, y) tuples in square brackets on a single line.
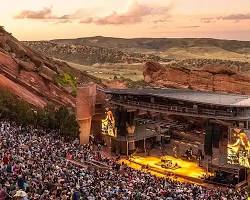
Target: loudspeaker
[(242, 174), (130, 119), (124, 117), (216, 135), (208, 143), (118, 118)]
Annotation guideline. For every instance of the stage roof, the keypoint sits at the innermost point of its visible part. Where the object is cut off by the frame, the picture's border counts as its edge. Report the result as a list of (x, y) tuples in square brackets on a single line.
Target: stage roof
[(220, 99)]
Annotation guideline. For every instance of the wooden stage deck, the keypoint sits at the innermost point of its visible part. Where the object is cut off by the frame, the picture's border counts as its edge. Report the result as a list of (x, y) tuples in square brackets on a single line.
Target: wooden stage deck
[(187, 170)]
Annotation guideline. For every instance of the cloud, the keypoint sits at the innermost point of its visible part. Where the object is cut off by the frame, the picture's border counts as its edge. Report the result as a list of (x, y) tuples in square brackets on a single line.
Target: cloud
[(45, 13), (189, 27), (87, 20), (207, 20), (78, 14), (162, 20), (63, 21), (233, 17), (135, 14), (66, 17), (236, 17)]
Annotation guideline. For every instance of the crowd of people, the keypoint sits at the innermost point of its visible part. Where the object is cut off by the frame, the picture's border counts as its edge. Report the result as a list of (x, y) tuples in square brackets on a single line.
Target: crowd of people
[(34, 165)]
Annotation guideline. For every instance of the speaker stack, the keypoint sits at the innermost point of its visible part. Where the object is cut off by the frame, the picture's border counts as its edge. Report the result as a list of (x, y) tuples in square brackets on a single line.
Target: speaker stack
[(212, 138), (208, 143)]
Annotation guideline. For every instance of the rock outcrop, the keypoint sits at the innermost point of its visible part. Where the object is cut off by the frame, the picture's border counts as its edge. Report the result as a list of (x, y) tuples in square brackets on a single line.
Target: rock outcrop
[(32, 76), (115, 84), (207, 78)]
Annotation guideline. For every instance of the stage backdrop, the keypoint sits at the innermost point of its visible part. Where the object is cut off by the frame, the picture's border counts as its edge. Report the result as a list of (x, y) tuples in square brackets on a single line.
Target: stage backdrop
[(238, 148), (108, 124)]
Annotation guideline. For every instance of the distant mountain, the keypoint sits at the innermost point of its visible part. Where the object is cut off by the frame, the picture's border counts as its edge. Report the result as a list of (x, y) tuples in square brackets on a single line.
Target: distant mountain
[(91, 50), (35, 78), (156, 43), (173, 48)]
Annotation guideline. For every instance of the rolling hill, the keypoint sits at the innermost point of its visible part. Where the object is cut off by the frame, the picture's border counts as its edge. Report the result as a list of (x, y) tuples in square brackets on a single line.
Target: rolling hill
[(88, 55), (173, 48)]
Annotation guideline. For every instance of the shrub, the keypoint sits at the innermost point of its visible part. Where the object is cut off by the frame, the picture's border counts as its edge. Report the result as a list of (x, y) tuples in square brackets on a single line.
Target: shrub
[(67, 80), (15, 109)]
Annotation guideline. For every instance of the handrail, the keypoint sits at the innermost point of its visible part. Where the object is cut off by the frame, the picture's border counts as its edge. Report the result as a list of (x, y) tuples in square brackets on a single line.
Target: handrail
[(91, 162), (184, 110), (76, 163), (100, 163)]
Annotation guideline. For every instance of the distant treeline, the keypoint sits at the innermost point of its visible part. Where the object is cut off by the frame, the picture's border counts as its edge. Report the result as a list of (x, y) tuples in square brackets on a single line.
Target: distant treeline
[(15, 109)]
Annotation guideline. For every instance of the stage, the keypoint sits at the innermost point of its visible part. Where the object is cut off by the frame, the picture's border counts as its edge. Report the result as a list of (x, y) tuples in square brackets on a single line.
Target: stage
[(184, 169)]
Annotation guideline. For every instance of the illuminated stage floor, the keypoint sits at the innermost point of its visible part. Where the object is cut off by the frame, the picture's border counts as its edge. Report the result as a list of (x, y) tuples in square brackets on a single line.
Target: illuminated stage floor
[(188, 170)]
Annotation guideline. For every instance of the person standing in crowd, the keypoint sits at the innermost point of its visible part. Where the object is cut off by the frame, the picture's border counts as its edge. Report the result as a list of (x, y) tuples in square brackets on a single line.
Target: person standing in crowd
[(3, 193), (76, 194)]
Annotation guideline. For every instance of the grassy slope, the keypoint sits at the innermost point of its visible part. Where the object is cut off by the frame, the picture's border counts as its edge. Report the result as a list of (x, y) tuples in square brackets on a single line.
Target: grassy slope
[(109, 71), (205, 53)]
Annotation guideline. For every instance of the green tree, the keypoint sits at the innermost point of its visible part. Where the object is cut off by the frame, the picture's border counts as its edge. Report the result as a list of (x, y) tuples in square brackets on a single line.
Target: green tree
[(61, 116), (42, 119), (14, 108), (24, 113), (70, 127), (66, 122)]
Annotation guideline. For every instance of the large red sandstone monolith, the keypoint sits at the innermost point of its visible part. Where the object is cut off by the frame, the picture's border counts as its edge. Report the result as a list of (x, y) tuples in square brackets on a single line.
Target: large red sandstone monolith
[(85, 109)]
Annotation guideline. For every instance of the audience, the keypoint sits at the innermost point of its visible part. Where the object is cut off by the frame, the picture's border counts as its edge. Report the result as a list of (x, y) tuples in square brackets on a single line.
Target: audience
[(34, 165)]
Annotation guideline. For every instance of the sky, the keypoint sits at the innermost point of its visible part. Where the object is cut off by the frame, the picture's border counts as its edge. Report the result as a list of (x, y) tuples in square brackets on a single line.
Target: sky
[(53, 19)]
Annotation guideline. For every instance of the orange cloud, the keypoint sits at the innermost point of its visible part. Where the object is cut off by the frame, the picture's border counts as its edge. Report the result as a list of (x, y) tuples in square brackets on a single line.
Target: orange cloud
[(233, 17), (87, 20), (135, 14), (45, 13), (189, 27), (207, 20), (63, 21), (236, 17)]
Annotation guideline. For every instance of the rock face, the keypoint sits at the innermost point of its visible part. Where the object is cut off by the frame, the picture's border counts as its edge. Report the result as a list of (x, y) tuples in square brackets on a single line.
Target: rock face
[(31, 76), (115, 84), (207, 78)]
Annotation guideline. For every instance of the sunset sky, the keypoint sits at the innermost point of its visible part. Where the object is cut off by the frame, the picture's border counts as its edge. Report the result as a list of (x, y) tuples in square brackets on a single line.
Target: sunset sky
[(51, 19)]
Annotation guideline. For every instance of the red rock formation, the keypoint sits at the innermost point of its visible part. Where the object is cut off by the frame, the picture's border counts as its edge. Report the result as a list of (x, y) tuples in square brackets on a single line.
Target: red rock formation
[(21, 92), (208, 78), (86, 99), (115, 84), (150, 69), (31, 76)]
